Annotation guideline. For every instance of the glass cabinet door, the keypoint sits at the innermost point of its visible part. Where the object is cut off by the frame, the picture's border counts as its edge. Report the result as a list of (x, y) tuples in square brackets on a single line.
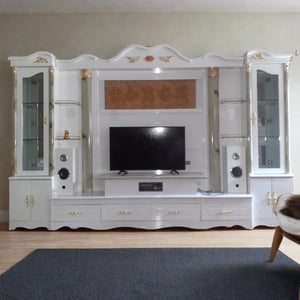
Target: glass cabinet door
[(268, 120), (33, 122)]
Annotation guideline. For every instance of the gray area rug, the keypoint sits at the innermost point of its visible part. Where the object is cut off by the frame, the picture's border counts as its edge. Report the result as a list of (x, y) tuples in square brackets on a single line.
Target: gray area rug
[(180, 273)]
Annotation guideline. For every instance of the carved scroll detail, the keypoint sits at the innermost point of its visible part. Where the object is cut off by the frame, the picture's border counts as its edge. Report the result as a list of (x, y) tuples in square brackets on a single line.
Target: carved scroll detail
[(257, 57), (133, 59), (165, 59), (41, 60)]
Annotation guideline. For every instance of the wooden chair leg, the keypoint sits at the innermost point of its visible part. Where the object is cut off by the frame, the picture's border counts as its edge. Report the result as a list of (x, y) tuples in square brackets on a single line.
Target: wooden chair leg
[(277, 238)]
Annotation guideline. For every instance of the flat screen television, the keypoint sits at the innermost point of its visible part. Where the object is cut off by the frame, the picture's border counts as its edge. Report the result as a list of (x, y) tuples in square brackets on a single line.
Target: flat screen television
[(147, 148)]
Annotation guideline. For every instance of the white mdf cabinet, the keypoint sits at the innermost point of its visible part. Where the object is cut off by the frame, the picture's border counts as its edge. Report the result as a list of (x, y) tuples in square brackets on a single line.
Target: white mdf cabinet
[(30, 188), (32, 122), (29, 202), (269, 133)]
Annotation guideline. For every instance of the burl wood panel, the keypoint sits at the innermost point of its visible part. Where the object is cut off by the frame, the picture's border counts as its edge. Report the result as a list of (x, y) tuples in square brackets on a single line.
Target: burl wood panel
[(150, 94)]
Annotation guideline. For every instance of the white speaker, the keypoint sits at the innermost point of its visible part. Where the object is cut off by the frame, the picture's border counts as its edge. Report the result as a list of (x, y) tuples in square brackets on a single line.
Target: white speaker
[(234, 170), (64, 179)]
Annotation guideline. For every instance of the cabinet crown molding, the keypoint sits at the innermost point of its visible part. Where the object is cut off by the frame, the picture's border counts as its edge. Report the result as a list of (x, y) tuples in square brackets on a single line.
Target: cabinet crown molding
[(258, 56), (37, 59)]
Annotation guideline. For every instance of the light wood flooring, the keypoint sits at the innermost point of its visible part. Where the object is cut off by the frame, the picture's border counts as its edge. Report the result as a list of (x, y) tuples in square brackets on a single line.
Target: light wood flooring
[(15, 245)]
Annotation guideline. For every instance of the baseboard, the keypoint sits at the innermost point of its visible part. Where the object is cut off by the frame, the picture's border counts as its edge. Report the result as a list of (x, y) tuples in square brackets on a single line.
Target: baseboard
[(4, 216)]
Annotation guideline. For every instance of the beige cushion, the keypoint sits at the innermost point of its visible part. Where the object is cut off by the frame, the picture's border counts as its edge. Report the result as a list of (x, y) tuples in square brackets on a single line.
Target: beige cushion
[(288, 224)]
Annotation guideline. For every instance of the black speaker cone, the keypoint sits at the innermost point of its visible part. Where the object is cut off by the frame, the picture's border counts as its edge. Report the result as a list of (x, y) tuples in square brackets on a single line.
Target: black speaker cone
[(236, 172), (63, 173)]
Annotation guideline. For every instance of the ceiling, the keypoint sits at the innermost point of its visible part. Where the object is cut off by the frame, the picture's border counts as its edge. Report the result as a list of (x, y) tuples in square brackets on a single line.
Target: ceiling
[(86, 6)]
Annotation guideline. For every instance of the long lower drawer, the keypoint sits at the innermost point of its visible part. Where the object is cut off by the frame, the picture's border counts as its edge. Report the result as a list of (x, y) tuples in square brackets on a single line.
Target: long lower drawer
[(75, 212), (180, 212), (238, 209), (126, 212)]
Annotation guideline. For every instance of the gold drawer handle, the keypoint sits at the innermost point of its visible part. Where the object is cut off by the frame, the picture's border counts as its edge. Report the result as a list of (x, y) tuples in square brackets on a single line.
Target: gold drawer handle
[(27, 200), (75, 213), (125, 212), (225, 212), (32, 200), (174, 212)]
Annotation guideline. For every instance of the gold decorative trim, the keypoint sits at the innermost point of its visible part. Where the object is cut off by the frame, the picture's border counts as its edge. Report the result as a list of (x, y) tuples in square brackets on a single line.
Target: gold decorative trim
[(258, 56), (41, 60), (165, 59), (51, 71), (248, 68), (286, 67), (86, 74), (14, 71), (133, 59), (213, 72)]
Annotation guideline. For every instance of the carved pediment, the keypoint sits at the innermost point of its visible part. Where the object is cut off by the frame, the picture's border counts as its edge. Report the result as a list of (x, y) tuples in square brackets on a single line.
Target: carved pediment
[(41, 58)]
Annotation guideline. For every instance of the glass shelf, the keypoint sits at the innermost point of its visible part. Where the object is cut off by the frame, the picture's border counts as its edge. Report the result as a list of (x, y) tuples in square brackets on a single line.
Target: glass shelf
[(235, 136), (68, 102), (61, 138), (233, 100)]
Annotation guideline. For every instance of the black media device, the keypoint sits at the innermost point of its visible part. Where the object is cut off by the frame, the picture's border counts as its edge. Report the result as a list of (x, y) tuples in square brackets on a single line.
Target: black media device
[(150, 186), (147, 148)]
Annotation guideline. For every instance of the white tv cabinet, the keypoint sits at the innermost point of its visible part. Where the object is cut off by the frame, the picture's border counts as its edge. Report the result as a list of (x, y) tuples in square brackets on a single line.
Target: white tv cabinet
[(197, 211), (234, 110)]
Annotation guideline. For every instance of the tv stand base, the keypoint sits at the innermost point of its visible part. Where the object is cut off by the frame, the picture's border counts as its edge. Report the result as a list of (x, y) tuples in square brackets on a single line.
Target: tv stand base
[(196, 212)]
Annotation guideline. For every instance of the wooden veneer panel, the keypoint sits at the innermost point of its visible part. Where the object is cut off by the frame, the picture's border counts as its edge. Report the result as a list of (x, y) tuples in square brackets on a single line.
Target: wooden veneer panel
[(150, 94)]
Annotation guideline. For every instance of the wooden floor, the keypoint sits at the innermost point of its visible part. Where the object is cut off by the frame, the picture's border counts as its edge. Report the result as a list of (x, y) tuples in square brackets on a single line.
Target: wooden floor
[(15, 245)]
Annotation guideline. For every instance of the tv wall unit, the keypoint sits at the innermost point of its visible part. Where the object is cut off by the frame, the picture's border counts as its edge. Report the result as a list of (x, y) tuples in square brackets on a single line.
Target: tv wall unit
[(235, 115)]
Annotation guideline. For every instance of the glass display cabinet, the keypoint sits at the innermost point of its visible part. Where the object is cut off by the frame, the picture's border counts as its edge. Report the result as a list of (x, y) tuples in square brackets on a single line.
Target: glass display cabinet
[(32, 138), (268, 120), (268, 158)]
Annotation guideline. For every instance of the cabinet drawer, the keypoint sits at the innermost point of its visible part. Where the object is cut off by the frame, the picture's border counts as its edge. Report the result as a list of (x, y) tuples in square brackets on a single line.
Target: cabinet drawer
[(176, 212), (126, 212), (75, 213), (226, 211)]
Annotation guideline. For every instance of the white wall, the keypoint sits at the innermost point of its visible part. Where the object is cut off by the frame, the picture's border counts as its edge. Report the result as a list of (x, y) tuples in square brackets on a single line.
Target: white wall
[(104, 35)]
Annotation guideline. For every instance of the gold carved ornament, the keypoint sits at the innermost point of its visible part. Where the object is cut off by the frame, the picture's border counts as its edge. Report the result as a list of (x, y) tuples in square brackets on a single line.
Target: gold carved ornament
[(248, 68), (41, 60), (286, 67), (213, 72), (133, 59), (14, 71), (86, 74), (258, 56), (165, 59)]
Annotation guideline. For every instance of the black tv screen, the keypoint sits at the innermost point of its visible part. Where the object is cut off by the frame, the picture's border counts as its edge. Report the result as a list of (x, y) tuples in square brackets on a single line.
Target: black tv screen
[(147, 148)]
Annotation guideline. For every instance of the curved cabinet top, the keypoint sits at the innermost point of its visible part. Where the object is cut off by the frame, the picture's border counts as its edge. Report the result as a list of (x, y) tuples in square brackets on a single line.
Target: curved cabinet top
[(132, 57), (140, 57)]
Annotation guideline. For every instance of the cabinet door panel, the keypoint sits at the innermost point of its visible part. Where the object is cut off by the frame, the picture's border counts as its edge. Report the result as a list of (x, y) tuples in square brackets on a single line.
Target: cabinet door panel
[(282, 186), (19, 200), (40, 195), (262, 207)]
